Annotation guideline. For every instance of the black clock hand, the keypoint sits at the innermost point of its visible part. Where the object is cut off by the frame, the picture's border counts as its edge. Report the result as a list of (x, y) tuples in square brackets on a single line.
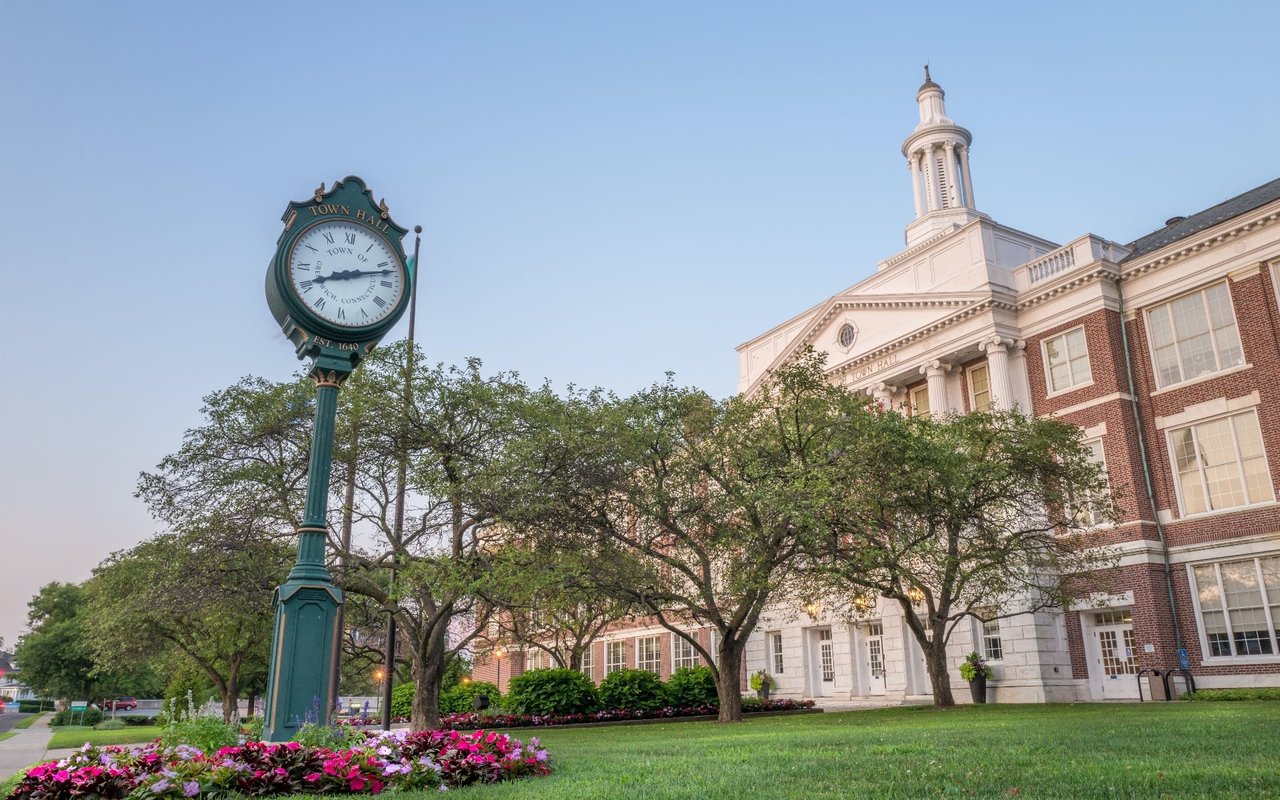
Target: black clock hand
[(344, 274)]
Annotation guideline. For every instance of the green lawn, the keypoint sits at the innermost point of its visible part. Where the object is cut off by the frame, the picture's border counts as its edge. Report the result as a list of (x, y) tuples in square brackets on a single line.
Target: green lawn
[(1154, 750), (7, 734), (77, 735), (28, 721)]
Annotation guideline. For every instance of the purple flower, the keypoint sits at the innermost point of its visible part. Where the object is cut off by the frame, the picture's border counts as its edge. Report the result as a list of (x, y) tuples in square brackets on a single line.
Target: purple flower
[(159, 786), (191, 788)]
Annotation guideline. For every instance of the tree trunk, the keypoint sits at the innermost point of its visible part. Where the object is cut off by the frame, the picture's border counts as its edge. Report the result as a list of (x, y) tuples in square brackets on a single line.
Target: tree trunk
[(231, 698), (935, 657), (729, 680), (428, 673), (253, 702)]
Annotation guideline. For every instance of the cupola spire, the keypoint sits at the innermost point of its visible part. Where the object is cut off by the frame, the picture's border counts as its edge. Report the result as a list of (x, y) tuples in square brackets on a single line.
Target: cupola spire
[(937, 153)]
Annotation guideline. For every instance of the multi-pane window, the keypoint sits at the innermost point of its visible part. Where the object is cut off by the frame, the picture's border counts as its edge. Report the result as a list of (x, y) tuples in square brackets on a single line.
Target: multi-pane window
[(992, 647), (683, 653), (775, 648), (1221, 464), (826, 656), (1239, 606), (1066, 359), (648, 654), (1194, 335), (1092, 515), (533, 660), (587, 663), (980, 387), (615, 656), (920, 401), (875, 649)]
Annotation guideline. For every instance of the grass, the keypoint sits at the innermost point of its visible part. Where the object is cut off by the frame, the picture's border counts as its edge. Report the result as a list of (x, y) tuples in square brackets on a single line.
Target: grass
[(7, 734), (29, 721), (1153, 750), (77, 735)]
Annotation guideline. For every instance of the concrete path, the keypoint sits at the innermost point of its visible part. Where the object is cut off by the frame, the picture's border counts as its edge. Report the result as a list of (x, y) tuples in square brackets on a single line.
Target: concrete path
[(26, 747)]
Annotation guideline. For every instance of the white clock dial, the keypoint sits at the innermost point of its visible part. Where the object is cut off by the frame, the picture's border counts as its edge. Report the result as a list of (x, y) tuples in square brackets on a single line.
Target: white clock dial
[(346, 274)]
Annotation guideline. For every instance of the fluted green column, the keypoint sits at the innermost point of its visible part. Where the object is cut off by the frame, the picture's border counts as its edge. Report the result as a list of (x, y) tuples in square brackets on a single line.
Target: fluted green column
[(306, 606)]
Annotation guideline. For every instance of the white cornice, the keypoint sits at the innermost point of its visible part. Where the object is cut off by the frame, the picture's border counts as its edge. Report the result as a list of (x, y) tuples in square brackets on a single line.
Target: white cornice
[(1176, 251)]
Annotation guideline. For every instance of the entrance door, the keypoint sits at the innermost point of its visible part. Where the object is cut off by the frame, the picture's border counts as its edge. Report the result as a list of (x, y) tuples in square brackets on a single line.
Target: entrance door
[(874, 663), (826, 663), (1114, 660)]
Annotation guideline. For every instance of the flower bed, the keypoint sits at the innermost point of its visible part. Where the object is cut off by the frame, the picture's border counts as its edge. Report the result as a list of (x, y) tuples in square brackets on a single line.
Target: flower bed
[(388, 760), (472, 720)]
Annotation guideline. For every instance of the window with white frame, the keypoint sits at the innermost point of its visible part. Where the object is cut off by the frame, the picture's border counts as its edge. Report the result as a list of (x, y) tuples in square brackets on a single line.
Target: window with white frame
[(648, 654), (683, 653), (1194, 335), (1066, 361), (615, 656), (989, 630), (714, 649), (980, 388), (1093, 516), (1220, 463), (920, 401), (587, 664), (1239, 604), (775, 648)]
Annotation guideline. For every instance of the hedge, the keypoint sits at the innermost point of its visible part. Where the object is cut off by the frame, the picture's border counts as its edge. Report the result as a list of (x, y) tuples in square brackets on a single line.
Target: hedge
[(551, 691)]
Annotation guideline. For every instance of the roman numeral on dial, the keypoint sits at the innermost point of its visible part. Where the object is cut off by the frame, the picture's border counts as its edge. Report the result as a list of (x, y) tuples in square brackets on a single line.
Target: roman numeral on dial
[(379, 301)]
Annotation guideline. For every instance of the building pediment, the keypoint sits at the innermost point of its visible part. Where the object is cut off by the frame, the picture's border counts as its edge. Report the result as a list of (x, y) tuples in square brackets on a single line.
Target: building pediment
[(854, 327)]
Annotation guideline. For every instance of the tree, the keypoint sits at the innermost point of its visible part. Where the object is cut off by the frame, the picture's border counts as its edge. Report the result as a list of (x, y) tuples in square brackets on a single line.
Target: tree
[(543, 597), (446, 426), (247, 465), (55, 656), (692, 509), (956, 517), (205, 592)]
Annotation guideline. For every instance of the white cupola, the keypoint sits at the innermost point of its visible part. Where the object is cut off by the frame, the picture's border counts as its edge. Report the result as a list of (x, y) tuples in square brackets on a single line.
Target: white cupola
[(937, 153)]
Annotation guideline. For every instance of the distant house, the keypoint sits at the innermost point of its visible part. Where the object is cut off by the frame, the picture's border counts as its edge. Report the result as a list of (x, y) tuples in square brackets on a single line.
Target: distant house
[(11, 688)]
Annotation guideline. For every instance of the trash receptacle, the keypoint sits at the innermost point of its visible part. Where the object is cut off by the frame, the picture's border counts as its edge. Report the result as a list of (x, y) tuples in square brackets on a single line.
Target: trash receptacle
[(1155, 686)]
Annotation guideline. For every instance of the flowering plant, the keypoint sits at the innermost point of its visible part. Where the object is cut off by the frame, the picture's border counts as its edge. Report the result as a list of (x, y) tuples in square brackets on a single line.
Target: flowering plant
[(399, 760), (973, 667)]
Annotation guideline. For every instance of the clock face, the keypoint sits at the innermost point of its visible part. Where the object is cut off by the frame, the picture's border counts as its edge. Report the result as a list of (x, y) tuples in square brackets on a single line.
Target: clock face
[(346, 274)]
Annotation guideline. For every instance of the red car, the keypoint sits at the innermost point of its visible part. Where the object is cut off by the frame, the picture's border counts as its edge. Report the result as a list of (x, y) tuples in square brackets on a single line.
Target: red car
[(120, 704)]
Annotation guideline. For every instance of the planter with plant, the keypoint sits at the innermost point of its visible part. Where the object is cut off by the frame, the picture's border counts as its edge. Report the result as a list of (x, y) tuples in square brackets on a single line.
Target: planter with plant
[(974, 669), (763, 683)]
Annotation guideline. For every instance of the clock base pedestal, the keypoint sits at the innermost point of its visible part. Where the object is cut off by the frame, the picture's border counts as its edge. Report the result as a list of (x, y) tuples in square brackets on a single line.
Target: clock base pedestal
[(305, 640)]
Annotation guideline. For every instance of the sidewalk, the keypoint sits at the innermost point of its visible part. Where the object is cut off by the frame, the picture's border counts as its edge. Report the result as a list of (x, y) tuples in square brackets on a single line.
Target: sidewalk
[(26, 747)]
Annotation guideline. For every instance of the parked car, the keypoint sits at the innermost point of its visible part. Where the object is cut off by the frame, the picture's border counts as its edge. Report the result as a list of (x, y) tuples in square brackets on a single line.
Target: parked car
[(8, 706), (120, 704)]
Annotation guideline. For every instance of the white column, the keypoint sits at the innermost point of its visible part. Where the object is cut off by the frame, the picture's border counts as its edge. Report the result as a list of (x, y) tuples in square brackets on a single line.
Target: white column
[(936, 372), (950, 180), (930, 177), (915, 182), (883, 393), (968, 182), (997, 349)]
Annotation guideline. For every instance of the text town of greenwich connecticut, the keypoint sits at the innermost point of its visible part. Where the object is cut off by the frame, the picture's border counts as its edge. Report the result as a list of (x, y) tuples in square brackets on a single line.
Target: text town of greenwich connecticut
[(973, 315), (668, 401)]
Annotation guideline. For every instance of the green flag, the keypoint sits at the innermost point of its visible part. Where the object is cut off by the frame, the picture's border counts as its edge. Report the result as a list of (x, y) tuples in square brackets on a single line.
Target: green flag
[(412, 265)]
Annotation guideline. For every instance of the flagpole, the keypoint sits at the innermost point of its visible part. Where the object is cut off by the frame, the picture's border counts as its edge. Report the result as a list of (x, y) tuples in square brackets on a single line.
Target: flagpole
[(389, 659)]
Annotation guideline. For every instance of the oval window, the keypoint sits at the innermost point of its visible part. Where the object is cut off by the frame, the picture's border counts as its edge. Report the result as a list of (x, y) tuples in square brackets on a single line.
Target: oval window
[(848, 335)]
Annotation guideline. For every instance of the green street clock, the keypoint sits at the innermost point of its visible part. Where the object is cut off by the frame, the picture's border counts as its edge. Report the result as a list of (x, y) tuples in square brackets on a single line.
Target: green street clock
[(338, 281), (336, 285)]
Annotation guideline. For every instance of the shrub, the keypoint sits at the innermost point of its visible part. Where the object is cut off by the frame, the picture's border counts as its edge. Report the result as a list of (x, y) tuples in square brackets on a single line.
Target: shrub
[(459, 699), (110, 725), (91, 716), (133, 720), (34, 706), (551, 691), (759, 679), (1255, 693), (402, 700), (632, 689), (692, 686), (208, 734)]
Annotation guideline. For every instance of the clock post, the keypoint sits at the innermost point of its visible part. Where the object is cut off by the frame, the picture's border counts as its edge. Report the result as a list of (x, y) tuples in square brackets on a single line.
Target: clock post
[(336, 285)]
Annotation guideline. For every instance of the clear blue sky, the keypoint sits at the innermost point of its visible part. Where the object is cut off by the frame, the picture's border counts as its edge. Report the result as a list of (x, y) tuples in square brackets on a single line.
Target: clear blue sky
[(609, 191)]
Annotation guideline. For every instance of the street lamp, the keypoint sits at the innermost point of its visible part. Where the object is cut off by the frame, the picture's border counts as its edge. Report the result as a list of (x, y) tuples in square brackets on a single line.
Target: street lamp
[(498, 653), (378, 675)]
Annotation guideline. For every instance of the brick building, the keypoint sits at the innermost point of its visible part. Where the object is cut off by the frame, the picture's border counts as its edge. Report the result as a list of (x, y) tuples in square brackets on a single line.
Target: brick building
[(1164, 351)]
